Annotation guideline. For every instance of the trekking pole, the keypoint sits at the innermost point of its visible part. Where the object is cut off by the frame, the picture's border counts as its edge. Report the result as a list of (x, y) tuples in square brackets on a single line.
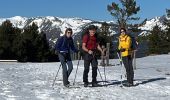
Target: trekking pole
[(76, 70), (134, 59), (104, 65), (121, 63), (100, 75), (105, 73), (98, 69), (56, 75)]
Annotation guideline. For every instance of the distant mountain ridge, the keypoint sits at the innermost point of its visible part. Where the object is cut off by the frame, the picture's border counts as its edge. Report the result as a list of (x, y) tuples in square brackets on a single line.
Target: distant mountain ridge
[(149, 24), (55, 26)]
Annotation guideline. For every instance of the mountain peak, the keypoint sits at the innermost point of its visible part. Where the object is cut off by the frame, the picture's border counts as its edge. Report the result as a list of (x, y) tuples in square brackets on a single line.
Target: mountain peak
[(153, 22)]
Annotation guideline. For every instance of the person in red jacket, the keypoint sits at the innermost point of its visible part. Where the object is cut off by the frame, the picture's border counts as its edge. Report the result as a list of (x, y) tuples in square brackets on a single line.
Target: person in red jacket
[(89, 46)]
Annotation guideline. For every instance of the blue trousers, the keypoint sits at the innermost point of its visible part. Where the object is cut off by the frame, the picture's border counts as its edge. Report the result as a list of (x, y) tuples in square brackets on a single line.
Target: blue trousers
[(67, 66)]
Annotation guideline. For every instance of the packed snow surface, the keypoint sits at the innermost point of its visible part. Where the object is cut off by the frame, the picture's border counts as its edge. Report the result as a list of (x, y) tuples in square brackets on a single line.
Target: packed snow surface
[(33, 81)]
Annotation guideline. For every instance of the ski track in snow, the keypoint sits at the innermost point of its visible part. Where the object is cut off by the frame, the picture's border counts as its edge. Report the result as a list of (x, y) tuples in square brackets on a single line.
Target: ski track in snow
[(33, 81)]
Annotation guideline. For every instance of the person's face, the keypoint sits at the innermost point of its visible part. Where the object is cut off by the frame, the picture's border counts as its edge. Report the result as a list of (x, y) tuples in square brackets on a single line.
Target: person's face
[(122, 32), (69, 34), (92, 32)]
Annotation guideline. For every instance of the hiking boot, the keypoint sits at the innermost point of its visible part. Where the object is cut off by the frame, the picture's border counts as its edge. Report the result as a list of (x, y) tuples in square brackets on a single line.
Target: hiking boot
[(67, 86), (68, 82), (86, 84), (128, 85), (95, 85)]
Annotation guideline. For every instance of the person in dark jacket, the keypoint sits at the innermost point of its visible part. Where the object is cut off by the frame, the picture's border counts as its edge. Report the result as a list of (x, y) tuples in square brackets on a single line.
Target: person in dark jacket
[(63, 46)]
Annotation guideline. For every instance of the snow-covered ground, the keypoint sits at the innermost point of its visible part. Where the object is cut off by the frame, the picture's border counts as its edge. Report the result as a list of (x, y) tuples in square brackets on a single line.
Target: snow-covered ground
[(33, 81)]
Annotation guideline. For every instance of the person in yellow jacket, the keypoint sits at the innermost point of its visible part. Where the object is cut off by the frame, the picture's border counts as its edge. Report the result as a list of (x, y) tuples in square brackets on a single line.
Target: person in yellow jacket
[(125, 43)]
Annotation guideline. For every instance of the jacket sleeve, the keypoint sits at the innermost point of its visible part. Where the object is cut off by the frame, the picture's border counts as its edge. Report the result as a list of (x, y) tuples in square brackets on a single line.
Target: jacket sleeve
[(58, 44), (85, 39), (72, 46)]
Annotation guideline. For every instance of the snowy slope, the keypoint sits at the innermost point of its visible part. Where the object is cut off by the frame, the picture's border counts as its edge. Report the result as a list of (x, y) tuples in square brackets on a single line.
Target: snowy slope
[(32, 81)]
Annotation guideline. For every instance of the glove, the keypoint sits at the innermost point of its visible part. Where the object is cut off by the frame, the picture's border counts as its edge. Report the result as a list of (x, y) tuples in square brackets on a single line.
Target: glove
[(122, 50), (90, 52), (117, 50), (56, 52)]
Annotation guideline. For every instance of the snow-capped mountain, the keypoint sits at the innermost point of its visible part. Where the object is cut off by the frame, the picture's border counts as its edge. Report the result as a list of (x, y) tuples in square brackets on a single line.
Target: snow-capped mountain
[(52, 22), (17, 21), (153, 22), (53, 26), (149, 24)]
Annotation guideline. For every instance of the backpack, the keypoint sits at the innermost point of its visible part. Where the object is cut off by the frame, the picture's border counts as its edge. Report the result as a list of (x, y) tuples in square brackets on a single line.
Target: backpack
[(134, 44)]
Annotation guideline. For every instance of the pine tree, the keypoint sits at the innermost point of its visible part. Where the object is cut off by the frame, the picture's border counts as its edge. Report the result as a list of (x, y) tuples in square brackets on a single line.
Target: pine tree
[(104, 34), (105, 37), (33, 46), (24, 45), (157, 42), (27, 47), (168, 12), (43, 47), (167, 30), (124, 13), (16, 41), (7, 36)]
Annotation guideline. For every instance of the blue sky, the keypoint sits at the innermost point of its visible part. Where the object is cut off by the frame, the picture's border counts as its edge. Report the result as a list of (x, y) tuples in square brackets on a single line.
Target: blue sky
[(89, 9)]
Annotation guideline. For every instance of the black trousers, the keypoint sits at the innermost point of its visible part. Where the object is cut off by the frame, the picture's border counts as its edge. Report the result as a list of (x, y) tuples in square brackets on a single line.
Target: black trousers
[(129, 68), (90, 59)]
